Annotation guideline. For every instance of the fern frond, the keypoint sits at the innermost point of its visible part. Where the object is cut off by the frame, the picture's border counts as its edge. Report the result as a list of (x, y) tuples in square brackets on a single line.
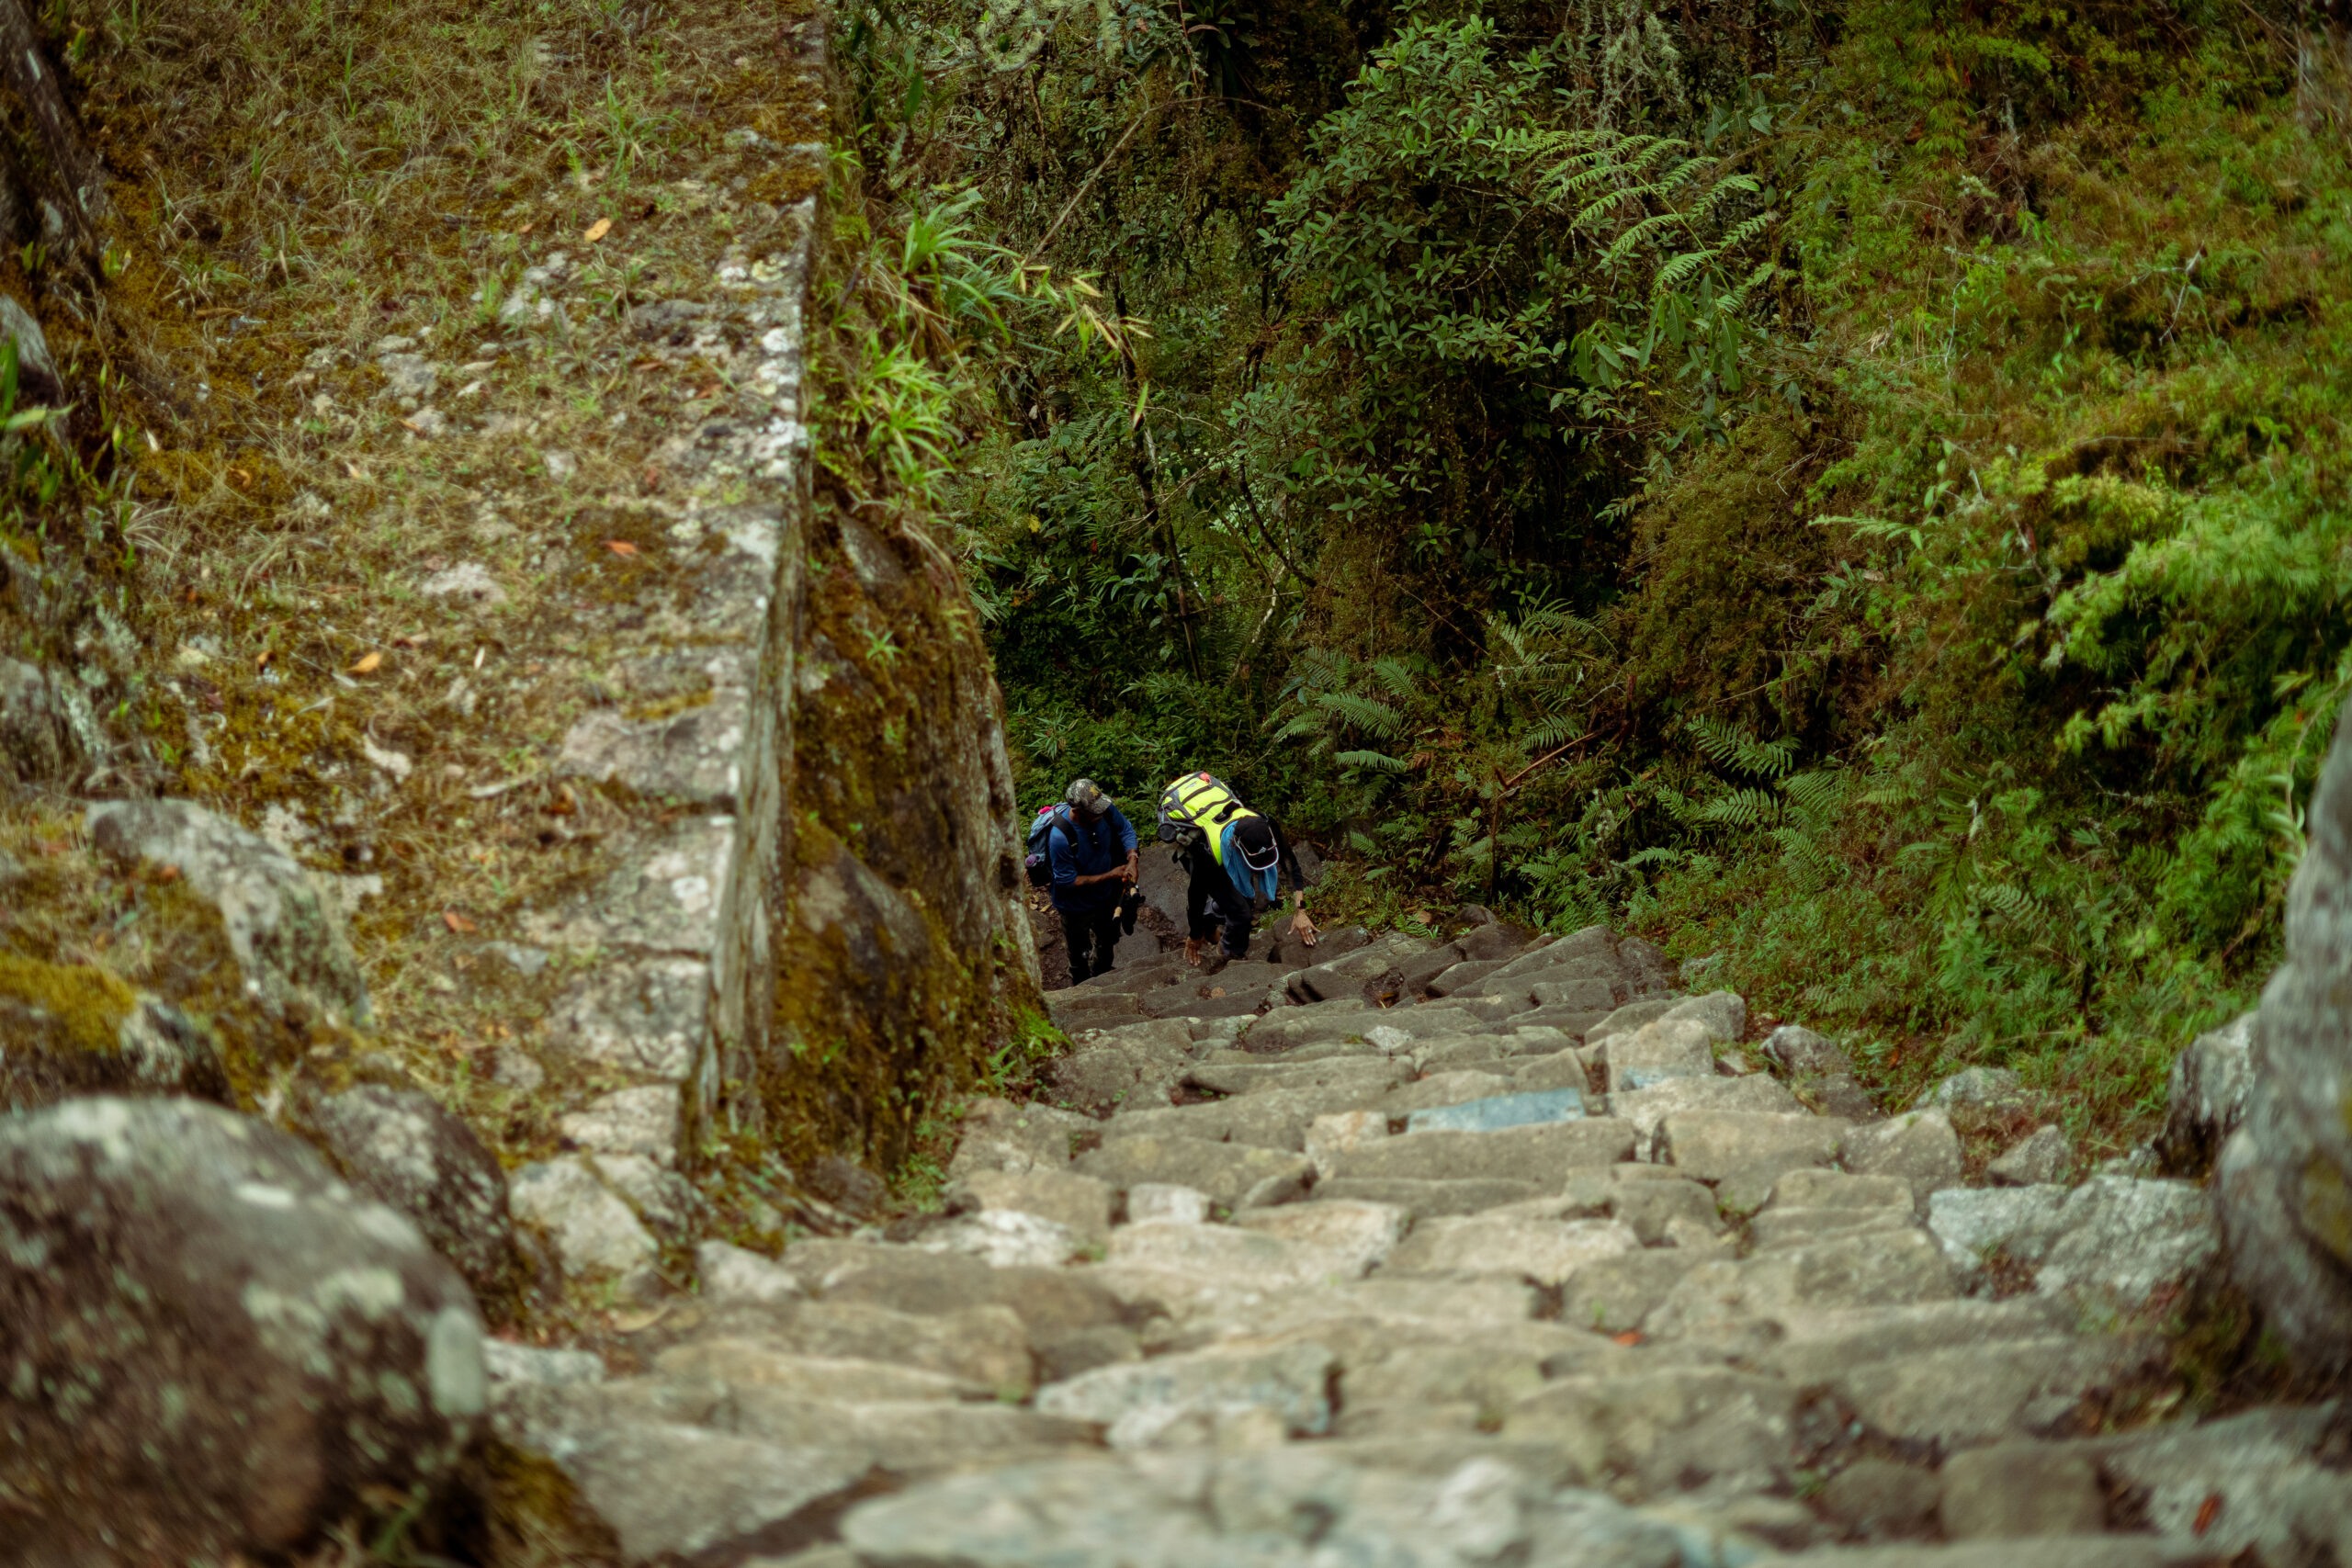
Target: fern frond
[(1727, 744), (1550, 734), (1741, 808), (2011, 903), (1681, 268), (1371, 761), (1373, 717), (1398, 676), (1814, 795)]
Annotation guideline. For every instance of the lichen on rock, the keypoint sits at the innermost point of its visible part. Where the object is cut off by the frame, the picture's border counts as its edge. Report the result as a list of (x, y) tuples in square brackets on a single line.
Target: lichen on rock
[(287, 935), (212, 1345), (2284, 1176)]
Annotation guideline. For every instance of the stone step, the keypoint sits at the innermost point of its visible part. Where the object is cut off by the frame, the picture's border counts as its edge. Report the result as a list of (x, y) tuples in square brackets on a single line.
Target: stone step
[(2022, 1551), (1542, 1155), (1429, 1199), (1370, 1075), (1231, 1174), (1406, 1272)]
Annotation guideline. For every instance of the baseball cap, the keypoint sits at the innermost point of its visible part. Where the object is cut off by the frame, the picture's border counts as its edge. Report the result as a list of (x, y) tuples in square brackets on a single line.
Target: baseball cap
[(1256, 840), (1088, 796)]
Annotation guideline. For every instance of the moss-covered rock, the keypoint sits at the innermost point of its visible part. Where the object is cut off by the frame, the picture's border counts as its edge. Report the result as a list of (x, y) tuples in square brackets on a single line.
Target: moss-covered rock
[(909, 949), (403, 1147), (288, 938), (69, 1029)]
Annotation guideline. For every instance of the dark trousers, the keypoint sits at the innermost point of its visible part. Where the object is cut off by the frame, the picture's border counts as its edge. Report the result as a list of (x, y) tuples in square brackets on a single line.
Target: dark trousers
[(1223, 905), (1211, 900), (1089, 934)]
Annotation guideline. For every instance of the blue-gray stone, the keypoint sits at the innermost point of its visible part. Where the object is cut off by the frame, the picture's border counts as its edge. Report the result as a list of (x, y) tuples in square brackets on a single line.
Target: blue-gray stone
[(1501, 1111)]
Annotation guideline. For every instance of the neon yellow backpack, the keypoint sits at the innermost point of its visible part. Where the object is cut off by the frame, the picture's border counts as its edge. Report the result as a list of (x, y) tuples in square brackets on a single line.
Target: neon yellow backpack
[(1202, 803)]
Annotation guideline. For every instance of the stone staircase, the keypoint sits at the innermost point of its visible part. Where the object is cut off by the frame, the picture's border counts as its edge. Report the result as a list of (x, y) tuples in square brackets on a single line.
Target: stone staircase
[(1492, 1251)]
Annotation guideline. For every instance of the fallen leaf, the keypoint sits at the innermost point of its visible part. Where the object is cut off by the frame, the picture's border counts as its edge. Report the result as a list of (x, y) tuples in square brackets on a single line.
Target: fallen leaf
[(1631, 1337), (368, 664), (353, 469), (2207, 1512), (636, 1321), (527, 227), (417, 641), (1215, 991), (266, 655), (597, 231), (620, 546), (455, 921)]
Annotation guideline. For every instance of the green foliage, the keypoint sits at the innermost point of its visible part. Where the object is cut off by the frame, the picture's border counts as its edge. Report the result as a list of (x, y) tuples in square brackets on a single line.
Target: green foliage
[(1848, 490)]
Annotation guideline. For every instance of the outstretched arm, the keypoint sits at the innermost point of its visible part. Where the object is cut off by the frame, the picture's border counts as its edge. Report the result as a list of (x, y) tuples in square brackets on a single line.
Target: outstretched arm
[(1288, 861)]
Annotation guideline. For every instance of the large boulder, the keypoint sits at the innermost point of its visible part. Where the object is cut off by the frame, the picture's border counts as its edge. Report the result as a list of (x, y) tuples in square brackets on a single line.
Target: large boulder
[(403, 1147), (287, 933), (2206, 1099), (2284, 1176), (213, 1347)]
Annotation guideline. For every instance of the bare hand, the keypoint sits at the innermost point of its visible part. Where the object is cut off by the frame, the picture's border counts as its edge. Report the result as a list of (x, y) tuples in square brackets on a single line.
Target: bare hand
[(1304, 927), (1192, 953)]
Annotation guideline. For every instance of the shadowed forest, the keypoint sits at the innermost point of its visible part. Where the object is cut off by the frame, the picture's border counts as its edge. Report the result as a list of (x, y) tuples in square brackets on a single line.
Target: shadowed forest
[(1856, 489)]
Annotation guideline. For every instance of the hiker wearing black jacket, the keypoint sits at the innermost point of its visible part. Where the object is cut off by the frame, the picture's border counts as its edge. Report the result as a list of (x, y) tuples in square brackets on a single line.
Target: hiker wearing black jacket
[(1233, 858)]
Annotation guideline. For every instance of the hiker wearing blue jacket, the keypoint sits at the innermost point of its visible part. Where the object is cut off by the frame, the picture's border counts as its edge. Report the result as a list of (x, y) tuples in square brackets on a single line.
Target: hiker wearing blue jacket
[(1094, 855)]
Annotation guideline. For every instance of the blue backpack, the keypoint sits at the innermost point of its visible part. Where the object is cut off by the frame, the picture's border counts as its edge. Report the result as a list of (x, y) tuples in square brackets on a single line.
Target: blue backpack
[(1041, 856)]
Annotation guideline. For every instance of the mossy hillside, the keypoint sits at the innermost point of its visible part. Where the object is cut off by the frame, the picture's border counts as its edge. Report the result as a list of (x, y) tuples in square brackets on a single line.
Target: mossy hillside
[(1959, 668), (1727, 570), (2078, 466)]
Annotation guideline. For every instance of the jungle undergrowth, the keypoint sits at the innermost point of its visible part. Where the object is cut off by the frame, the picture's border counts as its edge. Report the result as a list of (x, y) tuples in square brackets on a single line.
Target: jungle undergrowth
[(1951, 662)]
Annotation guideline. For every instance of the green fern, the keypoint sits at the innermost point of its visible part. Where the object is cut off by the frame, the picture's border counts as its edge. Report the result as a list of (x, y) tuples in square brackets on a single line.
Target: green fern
[(1371, 717), (1814, 798), (1728, 745), (1741, 808)]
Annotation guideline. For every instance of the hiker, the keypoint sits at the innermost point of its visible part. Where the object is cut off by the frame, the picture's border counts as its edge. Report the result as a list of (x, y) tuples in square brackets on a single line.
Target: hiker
[(1091, 849), (1232, 858)]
